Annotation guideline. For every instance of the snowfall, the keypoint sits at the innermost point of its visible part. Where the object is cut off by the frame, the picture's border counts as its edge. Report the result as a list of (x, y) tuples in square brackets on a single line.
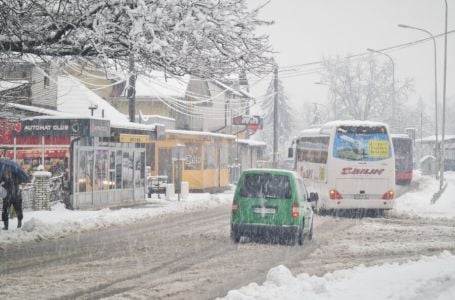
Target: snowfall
[(428, 278)]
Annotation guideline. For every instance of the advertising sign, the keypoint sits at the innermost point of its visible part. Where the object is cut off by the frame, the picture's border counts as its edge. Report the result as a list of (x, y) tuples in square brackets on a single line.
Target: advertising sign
[(254, 121), (62, 127), (134, 138)]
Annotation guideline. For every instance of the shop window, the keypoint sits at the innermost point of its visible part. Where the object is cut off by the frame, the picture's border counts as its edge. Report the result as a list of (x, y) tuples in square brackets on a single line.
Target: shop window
[(192, 156), (101, 170), (210, 156), (127, 170), (85, 180), (118, 169), (150, 155)]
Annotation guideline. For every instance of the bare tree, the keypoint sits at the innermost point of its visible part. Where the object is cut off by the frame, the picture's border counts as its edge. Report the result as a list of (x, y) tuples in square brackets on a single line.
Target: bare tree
[(363, 89), (203, 37)]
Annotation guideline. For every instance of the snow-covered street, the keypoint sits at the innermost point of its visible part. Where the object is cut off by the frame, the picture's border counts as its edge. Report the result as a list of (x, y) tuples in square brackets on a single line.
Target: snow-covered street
[(176, 250)]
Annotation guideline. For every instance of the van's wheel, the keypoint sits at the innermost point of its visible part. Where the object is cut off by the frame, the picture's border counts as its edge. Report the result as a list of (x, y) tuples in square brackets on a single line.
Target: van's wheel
[(235, 236), (300, 237), (310, 234)]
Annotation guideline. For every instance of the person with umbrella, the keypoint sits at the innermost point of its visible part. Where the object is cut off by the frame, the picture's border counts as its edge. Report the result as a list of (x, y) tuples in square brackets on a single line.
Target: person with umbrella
[(11, 175)]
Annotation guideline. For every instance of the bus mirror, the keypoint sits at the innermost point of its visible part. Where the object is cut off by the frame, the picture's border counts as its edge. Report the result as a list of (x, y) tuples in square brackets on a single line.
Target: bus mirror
[(290, 152), (314, 197)]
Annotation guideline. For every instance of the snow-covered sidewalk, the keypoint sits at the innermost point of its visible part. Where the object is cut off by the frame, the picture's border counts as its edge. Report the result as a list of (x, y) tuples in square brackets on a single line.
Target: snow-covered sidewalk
[(418, 202), (59, 222), (429, 278)]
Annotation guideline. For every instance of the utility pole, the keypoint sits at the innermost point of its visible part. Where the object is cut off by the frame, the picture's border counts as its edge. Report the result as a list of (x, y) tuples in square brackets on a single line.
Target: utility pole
[(243, 86), (275, 115), (131, 94)]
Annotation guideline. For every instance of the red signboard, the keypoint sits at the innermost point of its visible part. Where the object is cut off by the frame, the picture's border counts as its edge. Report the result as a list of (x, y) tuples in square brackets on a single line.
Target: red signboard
[(254, 121)]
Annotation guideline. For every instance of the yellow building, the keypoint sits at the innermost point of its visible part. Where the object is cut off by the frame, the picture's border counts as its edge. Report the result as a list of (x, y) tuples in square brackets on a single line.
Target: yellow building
[(205, 158)]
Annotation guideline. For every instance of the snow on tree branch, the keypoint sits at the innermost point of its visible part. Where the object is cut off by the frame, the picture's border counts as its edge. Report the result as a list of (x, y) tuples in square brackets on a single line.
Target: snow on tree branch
[(202, 37)]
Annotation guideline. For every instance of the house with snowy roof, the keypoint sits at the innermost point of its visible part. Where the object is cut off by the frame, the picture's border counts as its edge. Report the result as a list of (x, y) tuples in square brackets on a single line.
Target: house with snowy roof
[(194, 103), (28, 83)]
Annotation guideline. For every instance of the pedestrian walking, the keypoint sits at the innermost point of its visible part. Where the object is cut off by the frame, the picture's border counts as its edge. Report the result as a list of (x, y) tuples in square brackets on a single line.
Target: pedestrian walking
[(13, 198)]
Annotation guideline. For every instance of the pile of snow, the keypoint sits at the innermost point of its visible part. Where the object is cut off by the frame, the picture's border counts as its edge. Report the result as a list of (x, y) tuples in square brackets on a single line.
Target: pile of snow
[(417, 203), (429, 278), (60, 222)]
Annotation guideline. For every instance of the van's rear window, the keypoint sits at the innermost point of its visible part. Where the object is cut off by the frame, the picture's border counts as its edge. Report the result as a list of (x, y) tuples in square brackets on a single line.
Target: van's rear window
[(266, 186)]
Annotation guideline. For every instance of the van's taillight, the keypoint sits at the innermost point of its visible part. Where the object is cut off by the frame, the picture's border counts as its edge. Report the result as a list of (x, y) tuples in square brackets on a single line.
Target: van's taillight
[(295, 210), (389, 195), (234, 207), (335, 195)]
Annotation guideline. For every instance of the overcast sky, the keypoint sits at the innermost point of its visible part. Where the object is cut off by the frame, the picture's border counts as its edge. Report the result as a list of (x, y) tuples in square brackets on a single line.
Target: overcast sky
[(309, 30)]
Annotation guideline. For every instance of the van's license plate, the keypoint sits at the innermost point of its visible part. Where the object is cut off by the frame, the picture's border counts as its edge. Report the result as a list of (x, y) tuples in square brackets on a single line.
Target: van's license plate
[(360, 196), (264, 210)]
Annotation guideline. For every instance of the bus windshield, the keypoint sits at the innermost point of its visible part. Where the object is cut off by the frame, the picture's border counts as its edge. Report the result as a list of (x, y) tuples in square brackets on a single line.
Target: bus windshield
[(361, 143)]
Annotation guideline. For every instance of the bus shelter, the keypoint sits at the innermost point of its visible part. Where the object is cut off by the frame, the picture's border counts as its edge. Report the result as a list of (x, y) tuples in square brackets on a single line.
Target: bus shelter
[(110, 171), (107, 173)]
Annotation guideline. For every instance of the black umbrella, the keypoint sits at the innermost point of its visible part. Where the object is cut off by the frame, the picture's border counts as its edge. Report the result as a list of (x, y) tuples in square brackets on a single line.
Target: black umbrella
[(14, 168)]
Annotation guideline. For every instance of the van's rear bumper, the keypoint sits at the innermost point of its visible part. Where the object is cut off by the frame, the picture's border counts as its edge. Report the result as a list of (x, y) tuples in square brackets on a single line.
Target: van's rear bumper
[(265, 230)]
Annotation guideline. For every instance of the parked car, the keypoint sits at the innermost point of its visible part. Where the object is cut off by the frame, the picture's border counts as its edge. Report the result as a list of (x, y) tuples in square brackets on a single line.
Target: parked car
[(272, 204)]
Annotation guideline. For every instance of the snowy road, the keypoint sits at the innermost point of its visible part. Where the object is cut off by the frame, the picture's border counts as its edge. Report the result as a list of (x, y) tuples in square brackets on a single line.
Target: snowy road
[(190, 256)]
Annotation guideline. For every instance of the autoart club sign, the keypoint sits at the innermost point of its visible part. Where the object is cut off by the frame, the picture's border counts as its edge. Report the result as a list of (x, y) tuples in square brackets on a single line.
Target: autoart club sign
[(62, 127)]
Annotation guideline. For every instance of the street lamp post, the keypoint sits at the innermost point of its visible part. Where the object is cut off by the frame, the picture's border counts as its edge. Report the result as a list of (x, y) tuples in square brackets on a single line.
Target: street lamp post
[(441, 182), (334, 99), (435, 90), (393, 82)]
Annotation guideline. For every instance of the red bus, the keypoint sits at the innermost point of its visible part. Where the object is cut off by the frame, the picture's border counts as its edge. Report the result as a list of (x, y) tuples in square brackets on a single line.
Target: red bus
[(403, 148)]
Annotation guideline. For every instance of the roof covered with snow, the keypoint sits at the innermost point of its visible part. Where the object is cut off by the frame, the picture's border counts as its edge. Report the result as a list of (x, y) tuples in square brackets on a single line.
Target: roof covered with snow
[(11, 84), (44, 111), (157, 85), (201, 133), (353, 123), (74, 97), (432, 139), (252, 143)]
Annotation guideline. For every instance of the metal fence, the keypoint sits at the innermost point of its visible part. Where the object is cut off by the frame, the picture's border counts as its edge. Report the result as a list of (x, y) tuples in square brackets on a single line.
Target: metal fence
[(28, 193)]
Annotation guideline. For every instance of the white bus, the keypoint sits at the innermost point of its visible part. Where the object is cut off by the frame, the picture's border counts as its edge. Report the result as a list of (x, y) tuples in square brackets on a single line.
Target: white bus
[(350, 164)]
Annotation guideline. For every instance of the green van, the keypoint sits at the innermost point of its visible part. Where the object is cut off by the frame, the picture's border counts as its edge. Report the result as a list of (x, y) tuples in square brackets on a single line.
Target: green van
[(272, 204)]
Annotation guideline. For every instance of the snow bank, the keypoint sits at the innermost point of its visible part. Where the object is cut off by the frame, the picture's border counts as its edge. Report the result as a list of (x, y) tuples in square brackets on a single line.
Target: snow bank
[(59, 222), (417, 203), (429, 278)]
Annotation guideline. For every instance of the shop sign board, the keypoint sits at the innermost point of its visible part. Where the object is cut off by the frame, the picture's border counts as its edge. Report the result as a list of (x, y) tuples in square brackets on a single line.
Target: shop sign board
[(134, 138), (255, 121), (62, 127)]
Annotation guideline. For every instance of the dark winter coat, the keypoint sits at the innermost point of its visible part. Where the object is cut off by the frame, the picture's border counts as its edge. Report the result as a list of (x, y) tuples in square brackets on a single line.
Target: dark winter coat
[(11, 185)]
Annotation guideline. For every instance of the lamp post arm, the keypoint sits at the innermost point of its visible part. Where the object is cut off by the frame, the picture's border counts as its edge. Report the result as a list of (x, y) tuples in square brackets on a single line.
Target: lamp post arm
[(393, 83), (435, 92)]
